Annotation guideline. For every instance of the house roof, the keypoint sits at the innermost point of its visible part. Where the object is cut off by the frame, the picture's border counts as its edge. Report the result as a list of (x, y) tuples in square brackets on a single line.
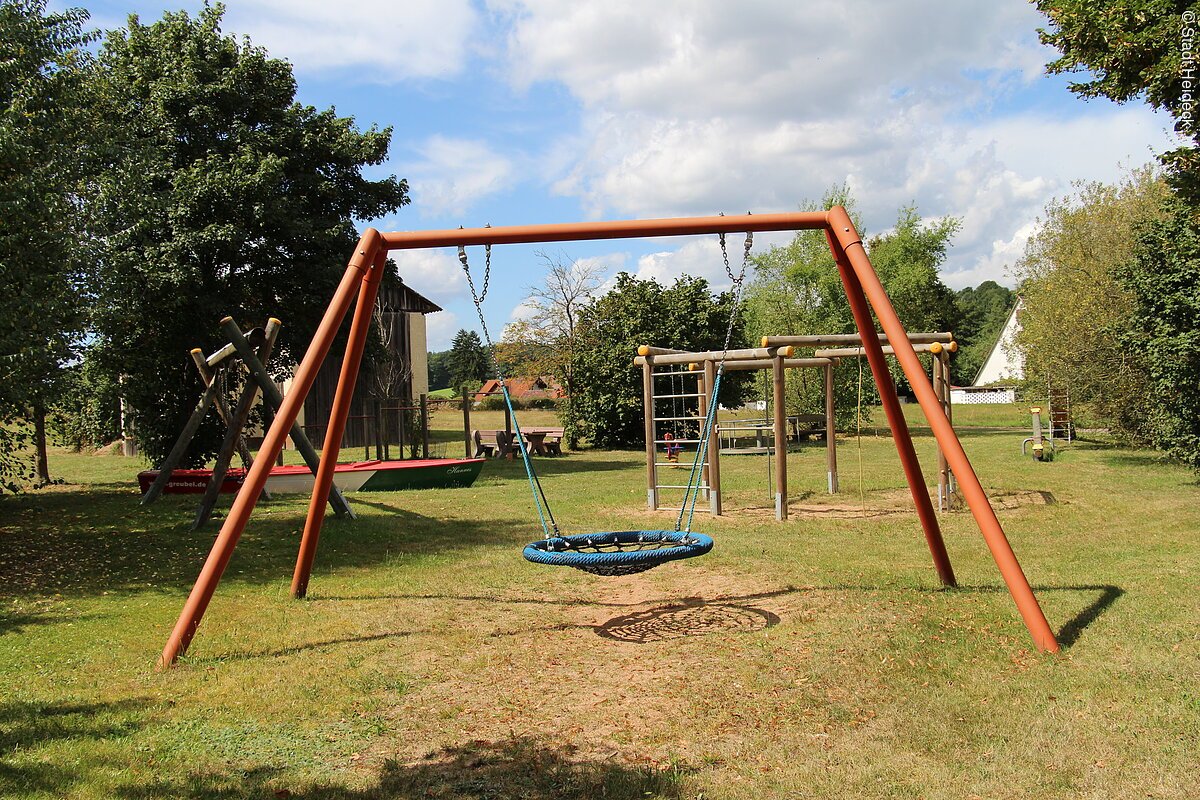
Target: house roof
[(992, 363), (400, 297), (522, 388)]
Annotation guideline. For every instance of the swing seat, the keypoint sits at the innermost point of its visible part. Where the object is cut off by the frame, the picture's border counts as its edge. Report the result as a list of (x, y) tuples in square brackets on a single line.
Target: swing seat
[(617, 552)]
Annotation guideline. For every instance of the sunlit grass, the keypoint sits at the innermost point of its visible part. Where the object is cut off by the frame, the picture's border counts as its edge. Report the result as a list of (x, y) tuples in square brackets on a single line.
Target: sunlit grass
[(432, 661)]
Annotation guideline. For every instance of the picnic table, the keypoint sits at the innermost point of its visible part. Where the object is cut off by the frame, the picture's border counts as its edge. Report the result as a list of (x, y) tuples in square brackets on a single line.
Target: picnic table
[(502, 444)]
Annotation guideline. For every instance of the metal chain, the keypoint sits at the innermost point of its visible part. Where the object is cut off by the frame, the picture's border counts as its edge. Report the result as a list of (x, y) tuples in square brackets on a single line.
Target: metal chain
[(545, 514), (710, 418)]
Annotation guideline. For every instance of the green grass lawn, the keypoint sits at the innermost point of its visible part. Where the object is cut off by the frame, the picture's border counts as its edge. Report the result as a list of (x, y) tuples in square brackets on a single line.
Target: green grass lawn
[(813, 658)]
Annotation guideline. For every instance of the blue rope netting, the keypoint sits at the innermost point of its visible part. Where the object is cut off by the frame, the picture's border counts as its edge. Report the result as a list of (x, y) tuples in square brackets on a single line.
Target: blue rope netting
[(617, 552), (613, 552)]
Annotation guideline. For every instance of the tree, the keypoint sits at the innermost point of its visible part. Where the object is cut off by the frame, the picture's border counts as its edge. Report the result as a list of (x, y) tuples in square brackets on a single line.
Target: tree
[(798, 290), (1076, 313), (1132, 48), (608, 398), (467, 361), (1163, 277), (223, 196), (439, 370), (46, 139), (546, 342), (983, 310)]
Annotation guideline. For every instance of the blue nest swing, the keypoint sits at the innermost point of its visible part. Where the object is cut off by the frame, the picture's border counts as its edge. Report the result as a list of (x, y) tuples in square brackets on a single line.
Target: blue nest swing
[(617, 552), (612, 552)]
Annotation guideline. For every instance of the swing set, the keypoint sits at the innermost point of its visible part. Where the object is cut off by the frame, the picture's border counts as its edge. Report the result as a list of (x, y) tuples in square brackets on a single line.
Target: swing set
[(619, 552)]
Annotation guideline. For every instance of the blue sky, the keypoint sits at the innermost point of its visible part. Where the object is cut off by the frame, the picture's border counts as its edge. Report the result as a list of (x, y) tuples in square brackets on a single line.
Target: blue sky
[(531, 111)]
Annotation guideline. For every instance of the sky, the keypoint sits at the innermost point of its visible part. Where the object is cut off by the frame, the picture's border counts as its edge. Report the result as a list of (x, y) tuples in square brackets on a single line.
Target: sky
[(535, 111)]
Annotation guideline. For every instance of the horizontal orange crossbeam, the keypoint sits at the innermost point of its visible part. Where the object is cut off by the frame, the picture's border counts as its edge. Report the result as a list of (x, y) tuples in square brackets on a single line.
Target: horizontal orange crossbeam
[(619, 229)]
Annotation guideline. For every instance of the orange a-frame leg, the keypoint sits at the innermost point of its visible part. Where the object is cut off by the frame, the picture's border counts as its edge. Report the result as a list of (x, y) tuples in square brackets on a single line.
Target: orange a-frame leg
[(239, 514), (895, 415), (842, 229), (355, 344)]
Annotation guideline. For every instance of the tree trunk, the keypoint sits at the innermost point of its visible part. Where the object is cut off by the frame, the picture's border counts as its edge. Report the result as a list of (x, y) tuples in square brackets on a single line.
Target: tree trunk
[(41, 465)]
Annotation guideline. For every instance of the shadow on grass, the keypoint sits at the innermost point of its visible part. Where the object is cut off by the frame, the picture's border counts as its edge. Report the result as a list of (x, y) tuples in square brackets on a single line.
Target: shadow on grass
[(81, 543), (520, 767), (26, 727), (1071, 631)]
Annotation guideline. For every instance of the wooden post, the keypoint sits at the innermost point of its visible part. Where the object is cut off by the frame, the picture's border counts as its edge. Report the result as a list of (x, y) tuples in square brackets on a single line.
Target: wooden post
[(377, 417), (272, 395), (951, 487), (714, 452), (939, 390), (651, 435), (781, 440), (830, 432), (424, 427), (185, 438), (206, 375), (702, 390), (233, 431), (467, 443)]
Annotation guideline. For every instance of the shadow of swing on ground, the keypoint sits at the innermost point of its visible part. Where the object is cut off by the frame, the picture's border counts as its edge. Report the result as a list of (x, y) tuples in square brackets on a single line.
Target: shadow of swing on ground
[(676, 619)]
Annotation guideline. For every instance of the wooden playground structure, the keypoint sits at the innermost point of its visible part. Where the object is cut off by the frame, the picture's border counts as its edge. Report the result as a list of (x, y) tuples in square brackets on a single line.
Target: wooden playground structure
[(863, 290), (777, 354)]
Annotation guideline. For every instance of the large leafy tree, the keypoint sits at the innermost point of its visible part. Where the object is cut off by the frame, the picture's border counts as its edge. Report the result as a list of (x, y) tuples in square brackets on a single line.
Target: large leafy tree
[(1163, 276), (46, 139), (798, 290), (1076, 311), (223, 196), (1129, 49), (608, 399), (983, 311)]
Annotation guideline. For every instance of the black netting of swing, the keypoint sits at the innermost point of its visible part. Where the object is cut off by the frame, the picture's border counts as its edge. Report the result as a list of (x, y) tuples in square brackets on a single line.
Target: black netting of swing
[(617, 552)]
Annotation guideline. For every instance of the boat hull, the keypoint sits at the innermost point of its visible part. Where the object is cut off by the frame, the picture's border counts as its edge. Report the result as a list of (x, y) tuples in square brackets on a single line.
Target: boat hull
[(361, 476)]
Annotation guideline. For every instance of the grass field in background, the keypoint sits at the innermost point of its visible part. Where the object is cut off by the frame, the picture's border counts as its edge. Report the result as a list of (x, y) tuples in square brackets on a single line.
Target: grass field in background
[(813, 658)]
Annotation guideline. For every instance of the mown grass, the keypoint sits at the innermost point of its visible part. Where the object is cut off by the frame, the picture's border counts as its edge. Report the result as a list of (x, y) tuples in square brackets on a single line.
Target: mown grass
[(815, 658)]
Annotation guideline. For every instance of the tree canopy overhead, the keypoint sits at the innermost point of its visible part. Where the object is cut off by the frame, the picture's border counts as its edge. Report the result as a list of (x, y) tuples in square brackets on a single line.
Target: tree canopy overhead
[(223, 196), (1134, 49)]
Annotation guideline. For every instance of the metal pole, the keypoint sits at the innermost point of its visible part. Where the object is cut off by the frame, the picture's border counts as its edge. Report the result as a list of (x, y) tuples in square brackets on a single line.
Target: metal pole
[(895, 415), (338, 413), (256, 478), (1010, 569), (424, 427), (617, 229)]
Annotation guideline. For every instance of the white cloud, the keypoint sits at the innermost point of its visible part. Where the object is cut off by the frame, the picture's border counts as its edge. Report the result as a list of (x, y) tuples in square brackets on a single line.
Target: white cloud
[(693, 108), (454, 174), (440, 329), (436, 274), (371, 40)]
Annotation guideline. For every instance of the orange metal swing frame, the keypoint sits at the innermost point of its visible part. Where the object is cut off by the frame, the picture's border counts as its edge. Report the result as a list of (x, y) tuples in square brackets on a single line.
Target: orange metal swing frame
[(361, 280)]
